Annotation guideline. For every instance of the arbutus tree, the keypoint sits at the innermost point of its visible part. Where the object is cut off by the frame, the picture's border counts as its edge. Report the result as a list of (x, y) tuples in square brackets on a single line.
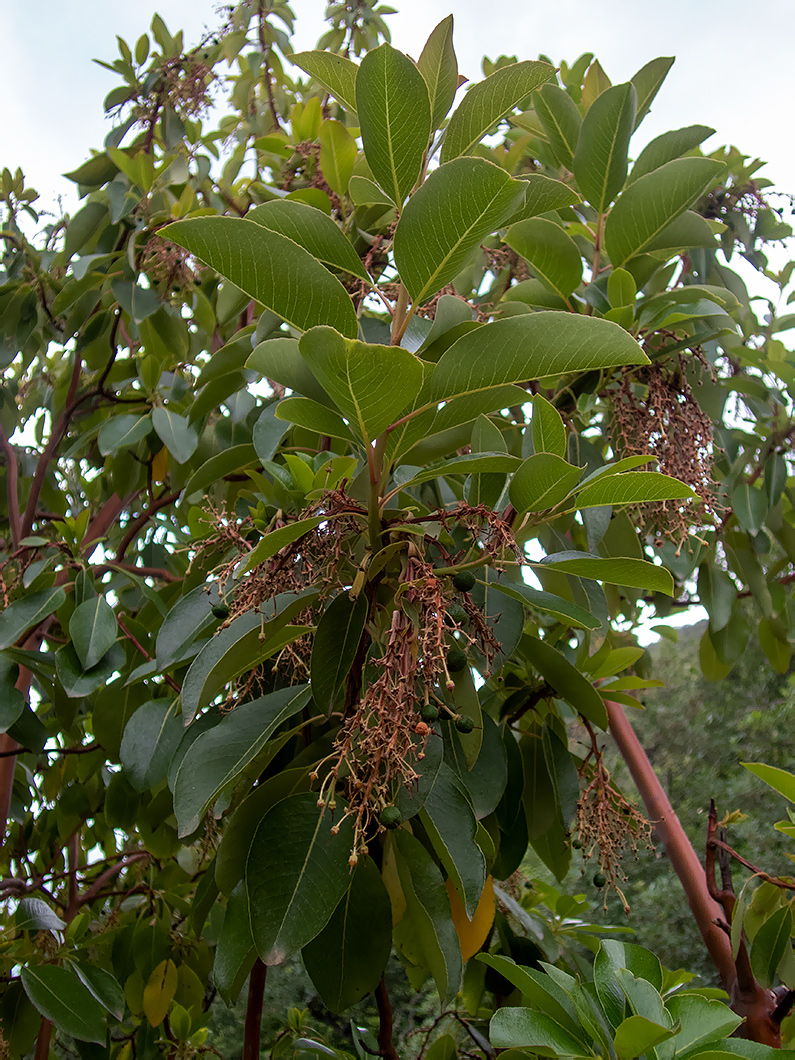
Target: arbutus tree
[(348, 431)]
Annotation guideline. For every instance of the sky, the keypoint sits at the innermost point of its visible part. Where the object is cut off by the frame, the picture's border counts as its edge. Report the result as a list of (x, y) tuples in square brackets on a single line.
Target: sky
[(734, 68)]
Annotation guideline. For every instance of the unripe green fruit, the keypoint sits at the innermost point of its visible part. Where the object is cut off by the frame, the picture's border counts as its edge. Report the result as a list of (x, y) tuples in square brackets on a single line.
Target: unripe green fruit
[(464, 581), (429, 712), (456, 660), (457, 614), (576, 843), (599, 879), (465, 725), (220, 610), (390, 817)]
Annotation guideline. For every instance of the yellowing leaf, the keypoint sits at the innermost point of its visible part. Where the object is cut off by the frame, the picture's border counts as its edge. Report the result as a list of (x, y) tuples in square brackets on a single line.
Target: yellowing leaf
[(159, 992), (472, 933), (160, 465)]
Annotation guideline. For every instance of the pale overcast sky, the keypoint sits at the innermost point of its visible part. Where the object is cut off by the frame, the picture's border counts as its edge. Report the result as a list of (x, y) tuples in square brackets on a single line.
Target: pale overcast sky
[(734, 68)]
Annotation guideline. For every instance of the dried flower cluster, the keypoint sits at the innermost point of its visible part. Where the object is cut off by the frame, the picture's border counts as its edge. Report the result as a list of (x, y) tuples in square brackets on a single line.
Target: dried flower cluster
[(655, 412), (608, 825)]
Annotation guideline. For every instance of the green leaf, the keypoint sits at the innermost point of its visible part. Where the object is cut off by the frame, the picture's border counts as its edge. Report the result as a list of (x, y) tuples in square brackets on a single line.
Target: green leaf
[(636, 1035), (703, 1020), (770, 944), (447, 218), (151, 737), (524, 1028), (334, 72), (778, 779), (647, 82), (92, 628), (235, 952), (651, 203), (634, 487), (61, 998), (78, 682), (304, 412), (566, 679), (548, 430), (750, 506), (26, 612), (542, 194), (567, 612), (667, 147), (346, 960), (188, 618), (269, 267), (634, 573), (244, 643), (541, 482), (530, 347), (561, 119), (478, 463), (395, 118), (32, 914), (600, 161), (425, 933), (540, 989), (229, 462), (311, 229), (488, 102), (296, 874), (121, 432), (337, 157), (438, 65), (612, 956), (221, 754), (552, 254), (335, 644), (276, 540), (103, 986), (175, 433), (279, 359), (450, 822), (371, 385)]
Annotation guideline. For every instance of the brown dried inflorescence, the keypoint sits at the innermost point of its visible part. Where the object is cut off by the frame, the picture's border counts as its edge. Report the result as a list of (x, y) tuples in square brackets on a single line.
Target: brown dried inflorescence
[(608, 825), (655, 412), (404, 651)]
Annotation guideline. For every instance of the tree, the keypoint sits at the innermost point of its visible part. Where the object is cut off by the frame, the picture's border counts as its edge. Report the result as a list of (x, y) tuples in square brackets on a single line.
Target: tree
[(292, 403)]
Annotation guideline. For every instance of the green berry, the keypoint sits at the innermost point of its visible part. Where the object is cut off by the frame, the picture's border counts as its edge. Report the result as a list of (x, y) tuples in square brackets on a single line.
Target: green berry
[(576, 843), (599, 879), (220, 610), (457, 614), (465, 725), (464, 581), (390, 817), (456, 660), (429, 712)]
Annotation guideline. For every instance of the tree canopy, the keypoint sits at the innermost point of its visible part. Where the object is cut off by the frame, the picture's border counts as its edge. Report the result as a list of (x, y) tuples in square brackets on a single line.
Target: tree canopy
[(349, 429)]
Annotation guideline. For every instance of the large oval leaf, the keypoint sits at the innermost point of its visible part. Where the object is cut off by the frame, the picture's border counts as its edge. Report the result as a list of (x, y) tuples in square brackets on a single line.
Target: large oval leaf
[(150, 739), (455, 209), (439, 66), (347, 959), (60, 997), (26, 612), (635, 573), (296, 874), (552, 254), (371, 385), (311, 229), (218, 756), (529, 347), (600, 161), (651, 203), (335, 644), (334, 72), (489, 101), (395, 118), (92, 628), (269, 267)]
